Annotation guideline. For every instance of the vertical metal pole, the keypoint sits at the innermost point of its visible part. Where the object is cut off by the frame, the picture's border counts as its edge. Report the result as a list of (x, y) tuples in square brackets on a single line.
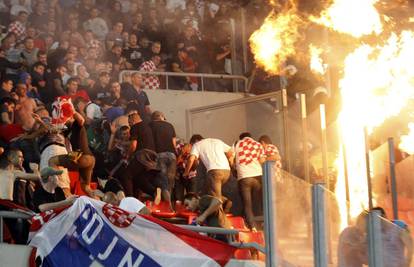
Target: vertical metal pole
[(367, 162), (269, 206), (244, 39), (286, 130), (166, 82), (305, 137), (233, 53), (324, 146), (393, 178), (375, 254), (1, 229), (319, 226), (346, 179), (202, 83)]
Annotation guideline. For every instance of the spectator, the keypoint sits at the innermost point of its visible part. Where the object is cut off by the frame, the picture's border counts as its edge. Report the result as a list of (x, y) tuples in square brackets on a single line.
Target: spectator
[(7, 110), (18, 27), (26, 107), (6, 88), (114, 37), (165, 143), (216, 157), (353, 246), (136, 94), (141, 133), (184, 63), (211, 212), (96, 24), (151, 81), (133, 53), (29, 53), (249, 156), (54, 86)]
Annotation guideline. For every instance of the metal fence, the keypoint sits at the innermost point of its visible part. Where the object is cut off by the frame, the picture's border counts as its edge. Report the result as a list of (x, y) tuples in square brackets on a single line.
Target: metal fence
[(206, 81)]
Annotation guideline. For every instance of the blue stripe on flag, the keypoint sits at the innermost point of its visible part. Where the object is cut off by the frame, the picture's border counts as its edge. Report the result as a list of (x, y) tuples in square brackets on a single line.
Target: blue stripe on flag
[(92, 239)]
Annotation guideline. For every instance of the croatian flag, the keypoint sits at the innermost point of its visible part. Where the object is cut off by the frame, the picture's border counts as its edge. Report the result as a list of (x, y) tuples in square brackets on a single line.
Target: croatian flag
[(92, 233)]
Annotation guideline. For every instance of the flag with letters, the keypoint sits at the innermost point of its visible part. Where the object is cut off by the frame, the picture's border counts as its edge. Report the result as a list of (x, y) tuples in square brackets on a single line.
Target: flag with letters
[(93, 233)]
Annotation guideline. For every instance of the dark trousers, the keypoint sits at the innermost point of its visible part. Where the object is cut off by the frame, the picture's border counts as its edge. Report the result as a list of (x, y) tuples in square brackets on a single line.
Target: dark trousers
[(247, 187)]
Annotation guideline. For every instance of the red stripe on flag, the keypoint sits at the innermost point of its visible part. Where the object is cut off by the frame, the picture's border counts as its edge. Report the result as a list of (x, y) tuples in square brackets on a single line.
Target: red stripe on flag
[(217, 250)]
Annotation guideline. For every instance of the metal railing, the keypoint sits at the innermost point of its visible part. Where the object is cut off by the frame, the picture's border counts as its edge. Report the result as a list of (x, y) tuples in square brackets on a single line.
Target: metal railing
[(16, 214), (201, 76)]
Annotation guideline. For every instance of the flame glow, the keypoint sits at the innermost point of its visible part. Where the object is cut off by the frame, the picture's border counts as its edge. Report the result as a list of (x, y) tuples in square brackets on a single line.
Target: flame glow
[(316, 63), (407, 141), (353, 17), (377, 84), (274, 42)]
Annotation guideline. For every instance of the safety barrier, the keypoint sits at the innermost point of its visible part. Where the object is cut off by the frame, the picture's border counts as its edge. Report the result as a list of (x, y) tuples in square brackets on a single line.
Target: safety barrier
[(235, 79)]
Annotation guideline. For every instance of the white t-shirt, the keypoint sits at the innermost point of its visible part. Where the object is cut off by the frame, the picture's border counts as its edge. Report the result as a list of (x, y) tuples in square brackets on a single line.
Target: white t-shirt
[(7, 178), (248, 153), (131, 204), (212, 153)]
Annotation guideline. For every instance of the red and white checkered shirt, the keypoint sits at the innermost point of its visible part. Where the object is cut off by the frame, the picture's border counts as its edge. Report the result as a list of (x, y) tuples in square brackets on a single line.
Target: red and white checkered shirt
[(248, 150), (271, 150), (150, 81), (19, 29)]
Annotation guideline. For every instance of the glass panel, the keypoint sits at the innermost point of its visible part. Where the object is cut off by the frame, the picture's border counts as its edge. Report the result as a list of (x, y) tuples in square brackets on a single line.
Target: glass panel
[(346, 237), (396, 243), (227, 122), (294, 219)]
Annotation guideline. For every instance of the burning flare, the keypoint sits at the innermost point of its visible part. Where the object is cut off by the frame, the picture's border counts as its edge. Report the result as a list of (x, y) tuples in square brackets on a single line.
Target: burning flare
[(378, 83), (316, 63), (353, 17), (275, 41)]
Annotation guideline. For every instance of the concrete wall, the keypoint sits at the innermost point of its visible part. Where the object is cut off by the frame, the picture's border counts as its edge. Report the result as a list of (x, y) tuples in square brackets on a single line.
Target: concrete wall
[(175, 103)]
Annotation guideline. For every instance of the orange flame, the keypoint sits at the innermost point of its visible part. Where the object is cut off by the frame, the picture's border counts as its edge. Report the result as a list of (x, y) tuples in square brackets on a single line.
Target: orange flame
[(377, 84), (316, 63), (275, 41), (353, 17), (407, 141)]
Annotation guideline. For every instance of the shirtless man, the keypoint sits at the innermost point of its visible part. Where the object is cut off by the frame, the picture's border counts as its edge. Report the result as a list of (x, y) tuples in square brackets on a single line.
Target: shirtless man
[(25, 108)]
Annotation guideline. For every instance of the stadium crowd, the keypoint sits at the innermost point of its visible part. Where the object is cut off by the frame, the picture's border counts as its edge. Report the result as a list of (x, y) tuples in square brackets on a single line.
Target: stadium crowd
[(69, 127)]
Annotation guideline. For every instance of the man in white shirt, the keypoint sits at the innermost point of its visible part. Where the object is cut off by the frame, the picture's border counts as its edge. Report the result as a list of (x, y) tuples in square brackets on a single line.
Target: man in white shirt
[(216, 157), (249, 157)]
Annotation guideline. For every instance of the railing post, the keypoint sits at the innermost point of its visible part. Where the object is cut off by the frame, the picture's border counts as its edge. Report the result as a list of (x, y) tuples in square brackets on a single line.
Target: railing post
[(393, 178), (305, 136), (368, 166), (233, 53), (319, 226), (374, 240), (286, 130), (270, 221), (1, 229), (166, 82)]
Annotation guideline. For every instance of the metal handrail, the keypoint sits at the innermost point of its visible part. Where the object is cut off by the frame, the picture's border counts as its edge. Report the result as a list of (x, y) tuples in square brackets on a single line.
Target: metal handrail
[(16, 214), (222, 231), (189, 74)]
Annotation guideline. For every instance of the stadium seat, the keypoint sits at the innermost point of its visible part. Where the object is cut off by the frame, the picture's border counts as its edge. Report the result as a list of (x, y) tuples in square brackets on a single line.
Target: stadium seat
[(237, 222), (75, 185), (182, 212), (162, 210), (252, 237)]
